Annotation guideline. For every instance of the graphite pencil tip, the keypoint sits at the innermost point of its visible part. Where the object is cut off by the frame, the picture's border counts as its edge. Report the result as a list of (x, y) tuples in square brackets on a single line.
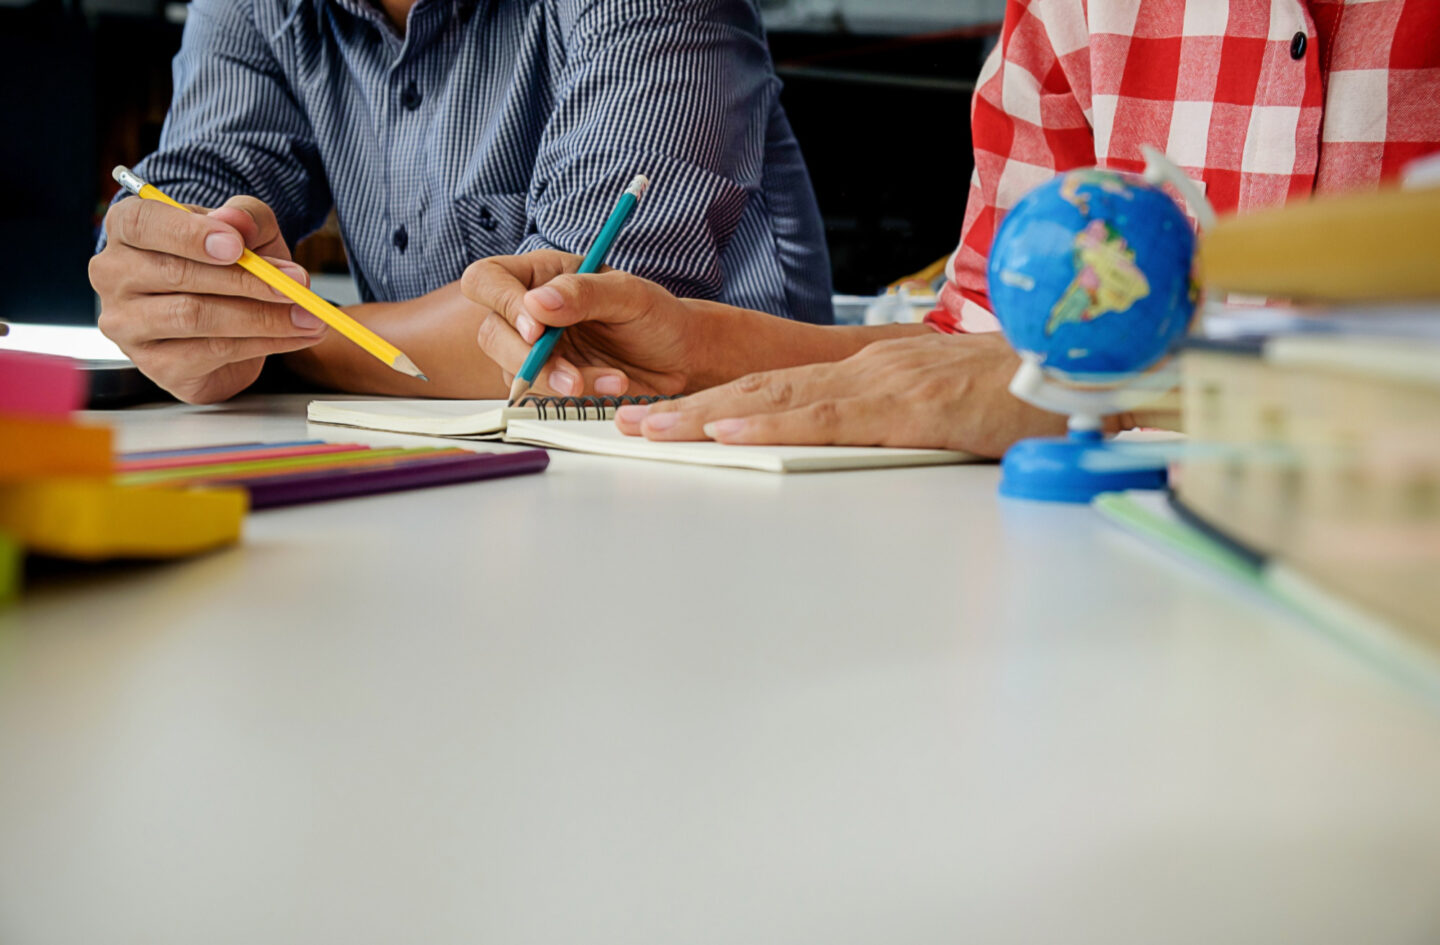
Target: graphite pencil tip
[(405, 366), (518, 389)]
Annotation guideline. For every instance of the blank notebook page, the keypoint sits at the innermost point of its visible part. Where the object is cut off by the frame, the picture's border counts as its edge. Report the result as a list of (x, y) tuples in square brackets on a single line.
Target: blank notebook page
[(586, 436)]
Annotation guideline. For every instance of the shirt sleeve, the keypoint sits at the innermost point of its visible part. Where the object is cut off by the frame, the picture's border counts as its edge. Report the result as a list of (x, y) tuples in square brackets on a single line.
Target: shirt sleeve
[(1030, 119), (234, 126), (681, 91)]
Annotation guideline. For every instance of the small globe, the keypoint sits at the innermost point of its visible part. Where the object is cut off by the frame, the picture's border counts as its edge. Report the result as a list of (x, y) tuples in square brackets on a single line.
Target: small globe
[(1090, 274)]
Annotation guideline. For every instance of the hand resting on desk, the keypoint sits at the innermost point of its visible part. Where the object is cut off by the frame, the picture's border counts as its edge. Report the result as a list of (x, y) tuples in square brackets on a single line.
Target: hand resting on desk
[(932, 391)]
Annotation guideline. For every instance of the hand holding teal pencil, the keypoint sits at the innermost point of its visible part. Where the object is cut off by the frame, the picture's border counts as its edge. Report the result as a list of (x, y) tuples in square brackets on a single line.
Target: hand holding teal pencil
[(624, 335), (593, 262), (628, 335)]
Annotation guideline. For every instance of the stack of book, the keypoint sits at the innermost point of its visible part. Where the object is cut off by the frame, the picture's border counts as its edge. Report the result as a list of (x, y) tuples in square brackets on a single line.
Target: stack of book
[(58, 492), (1315, 451), (1312, 461)]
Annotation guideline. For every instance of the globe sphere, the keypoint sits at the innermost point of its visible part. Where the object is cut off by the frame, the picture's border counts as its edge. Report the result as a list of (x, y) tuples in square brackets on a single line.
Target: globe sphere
[(1090, 274)]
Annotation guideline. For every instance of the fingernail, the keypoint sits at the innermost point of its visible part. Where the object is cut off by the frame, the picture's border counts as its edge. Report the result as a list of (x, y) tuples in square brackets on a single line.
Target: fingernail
[(223, 247), (546, 297), (723, 428), (528, 327), (307, 321), (634, 413), (660, 422), (564, 383), (609, 384), (295, 272)]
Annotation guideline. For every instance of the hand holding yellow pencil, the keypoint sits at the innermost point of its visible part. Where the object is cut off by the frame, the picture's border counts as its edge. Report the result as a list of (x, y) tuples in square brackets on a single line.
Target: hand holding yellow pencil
[(301, 295)]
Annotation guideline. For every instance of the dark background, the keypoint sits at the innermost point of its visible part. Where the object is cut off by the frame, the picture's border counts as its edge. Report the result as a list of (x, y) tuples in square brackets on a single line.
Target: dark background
[(883, 122)]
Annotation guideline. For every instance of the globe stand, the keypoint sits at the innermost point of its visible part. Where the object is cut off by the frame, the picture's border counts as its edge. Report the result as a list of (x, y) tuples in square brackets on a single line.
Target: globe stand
[(1075, 468)]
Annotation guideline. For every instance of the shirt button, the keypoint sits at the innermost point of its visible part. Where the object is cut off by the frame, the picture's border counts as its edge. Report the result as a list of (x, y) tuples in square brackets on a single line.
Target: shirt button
[(487, 219), (1297, 46), (410, 98), (400, 238)]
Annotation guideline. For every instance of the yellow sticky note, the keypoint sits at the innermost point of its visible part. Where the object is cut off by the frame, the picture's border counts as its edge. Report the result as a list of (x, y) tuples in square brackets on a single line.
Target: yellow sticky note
[(93, 519)]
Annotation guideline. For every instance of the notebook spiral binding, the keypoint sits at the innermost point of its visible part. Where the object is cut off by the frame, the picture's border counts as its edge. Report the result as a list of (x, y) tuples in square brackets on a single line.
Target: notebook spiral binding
[(580, 408)]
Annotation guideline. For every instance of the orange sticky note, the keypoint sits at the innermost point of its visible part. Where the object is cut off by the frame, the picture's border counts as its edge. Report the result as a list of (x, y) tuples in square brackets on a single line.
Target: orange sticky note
[(31, 447), (40, 385)]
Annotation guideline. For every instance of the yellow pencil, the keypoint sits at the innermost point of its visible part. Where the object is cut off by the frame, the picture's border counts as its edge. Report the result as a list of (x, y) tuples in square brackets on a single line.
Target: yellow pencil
[(288, 287)]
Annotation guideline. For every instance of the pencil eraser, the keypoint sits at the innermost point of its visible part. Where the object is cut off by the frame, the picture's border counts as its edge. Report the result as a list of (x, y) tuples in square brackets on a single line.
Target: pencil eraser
[(40, 385)]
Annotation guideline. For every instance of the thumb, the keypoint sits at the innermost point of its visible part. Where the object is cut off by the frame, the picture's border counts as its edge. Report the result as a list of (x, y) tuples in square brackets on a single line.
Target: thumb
[(256, 223)]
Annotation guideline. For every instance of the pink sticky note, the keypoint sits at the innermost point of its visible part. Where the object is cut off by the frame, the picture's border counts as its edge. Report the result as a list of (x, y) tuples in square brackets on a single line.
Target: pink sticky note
[(40, 384)]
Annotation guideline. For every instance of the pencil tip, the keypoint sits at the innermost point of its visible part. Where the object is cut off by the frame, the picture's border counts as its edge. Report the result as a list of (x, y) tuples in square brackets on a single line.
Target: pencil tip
[(517, 390), (405, 366)]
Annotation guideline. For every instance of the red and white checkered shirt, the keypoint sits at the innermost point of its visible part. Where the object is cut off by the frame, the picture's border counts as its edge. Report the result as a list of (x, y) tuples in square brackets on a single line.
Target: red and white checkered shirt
[(1257, 100)]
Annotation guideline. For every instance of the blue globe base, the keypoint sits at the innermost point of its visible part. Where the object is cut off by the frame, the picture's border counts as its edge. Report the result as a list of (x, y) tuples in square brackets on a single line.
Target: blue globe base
[(1050, 469)]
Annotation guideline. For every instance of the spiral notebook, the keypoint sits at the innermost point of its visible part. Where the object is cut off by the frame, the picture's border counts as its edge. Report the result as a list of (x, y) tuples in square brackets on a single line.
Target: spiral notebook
[(570, 423), (464, 419)]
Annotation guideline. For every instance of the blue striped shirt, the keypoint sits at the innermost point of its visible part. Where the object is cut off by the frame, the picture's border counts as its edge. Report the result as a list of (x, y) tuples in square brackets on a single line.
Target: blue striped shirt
[(502, 126)]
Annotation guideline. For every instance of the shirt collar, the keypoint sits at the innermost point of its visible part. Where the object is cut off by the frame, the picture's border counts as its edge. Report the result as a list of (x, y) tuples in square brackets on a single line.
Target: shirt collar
[(372, 11), (424, 25)]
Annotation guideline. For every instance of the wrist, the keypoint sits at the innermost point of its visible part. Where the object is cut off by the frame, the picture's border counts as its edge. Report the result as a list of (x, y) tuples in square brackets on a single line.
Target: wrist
[(727, 342), (436, 330)]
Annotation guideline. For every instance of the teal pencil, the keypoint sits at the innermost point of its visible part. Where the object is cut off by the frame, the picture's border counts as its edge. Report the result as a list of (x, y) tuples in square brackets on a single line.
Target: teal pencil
[(594, 259)]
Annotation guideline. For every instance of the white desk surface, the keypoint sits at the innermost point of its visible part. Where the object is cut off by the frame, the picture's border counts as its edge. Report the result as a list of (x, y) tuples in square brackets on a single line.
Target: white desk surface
[(627, 702)]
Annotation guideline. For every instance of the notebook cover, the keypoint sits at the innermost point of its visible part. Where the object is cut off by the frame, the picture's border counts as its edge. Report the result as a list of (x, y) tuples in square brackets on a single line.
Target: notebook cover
[(1253, 557), (1144, 513), (1410, 656), (455, 418)]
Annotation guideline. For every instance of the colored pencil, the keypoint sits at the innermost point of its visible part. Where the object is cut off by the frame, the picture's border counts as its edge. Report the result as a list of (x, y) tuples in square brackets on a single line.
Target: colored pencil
[(222, 448), (377, 459), (156, 476), (594, 259), (330, 484), (126, 465)]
